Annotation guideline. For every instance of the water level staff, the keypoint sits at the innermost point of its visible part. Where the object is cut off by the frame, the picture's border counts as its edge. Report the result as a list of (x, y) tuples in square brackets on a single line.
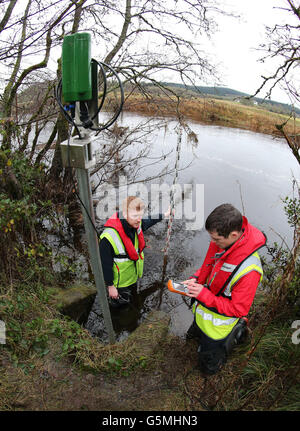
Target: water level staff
[(224, 286), (121, 249)]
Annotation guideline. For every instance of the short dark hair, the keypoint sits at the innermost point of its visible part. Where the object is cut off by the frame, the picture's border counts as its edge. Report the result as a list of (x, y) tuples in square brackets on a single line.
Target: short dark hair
[(224, 219)]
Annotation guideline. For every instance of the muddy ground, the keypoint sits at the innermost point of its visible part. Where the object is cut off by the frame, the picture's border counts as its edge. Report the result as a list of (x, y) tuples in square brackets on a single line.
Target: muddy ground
[(167, 383)]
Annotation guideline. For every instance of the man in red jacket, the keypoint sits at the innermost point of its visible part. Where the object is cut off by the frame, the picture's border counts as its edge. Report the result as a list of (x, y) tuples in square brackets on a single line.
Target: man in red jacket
[(224, 286)]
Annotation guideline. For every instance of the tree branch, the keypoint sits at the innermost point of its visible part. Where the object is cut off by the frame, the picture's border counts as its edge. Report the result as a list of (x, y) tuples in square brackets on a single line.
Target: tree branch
[(7, 14), (122, 37)]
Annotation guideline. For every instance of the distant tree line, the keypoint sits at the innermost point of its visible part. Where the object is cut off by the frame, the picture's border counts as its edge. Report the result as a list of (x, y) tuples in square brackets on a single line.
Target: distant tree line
[(231, 94)]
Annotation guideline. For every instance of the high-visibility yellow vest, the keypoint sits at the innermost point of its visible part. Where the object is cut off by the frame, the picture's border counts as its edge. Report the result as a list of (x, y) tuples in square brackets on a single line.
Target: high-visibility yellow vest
[(125, 270), (218, 326)]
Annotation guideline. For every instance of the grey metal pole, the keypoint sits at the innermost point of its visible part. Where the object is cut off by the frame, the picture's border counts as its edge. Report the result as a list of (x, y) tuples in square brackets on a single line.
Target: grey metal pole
[(85, 194)]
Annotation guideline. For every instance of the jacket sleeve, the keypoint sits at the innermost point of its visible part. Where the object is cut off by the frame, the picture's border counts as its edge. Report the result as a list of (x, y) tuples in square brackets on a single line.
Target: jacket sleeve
[(148, 222), (107, 261), (204, 271), (200, 276), (242, 296)]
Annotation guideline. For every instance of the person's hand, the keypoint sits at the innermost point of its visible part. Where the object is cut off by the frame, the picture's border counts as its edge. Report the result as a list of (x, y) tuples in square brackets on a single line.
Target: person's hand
[(193, 288), (113, 292), (168, 212), (190, 280)]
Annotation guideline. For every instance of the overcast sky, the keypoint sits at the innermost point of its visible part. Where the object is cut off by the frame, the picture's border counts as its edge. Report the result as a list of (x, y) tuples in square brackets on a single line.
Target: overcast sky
[(235, 42), (233, 46)]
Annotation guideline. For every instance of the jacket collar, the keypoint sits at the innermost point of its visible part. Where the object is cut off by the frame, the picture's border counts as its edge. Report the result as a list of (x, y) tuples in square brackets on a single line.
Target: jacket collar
[(253, 237)]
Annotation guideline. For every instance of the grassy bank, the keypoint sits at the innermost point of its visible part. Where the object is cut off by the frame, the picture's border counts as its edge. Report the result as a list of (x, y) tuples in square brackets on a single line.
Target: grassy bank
[(50, 362), (214, 112)]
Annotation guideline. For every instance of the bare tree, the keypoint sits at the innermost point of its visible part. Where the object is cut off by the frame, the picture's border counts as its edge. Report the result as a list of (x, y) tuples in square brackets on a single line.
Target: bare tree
[(7, 14), (138, 38), (283, 44), (144, 41), (20, 74)]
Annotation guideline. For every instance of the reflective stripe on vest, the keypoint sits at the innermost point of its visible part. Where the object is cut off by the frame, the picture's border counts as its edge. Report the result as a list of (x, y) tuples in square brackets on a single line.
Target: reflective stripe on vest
[(116, 238), (125, 270), (228, 267), (214, 325), (121, 259), (252, 263), (216, 321), (217, 326)]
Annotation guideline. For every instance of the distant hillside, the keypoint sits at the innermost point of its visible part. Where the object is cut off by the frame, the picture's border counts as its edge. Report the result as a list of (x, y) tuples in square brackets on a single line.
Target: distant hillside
[(230, 94)]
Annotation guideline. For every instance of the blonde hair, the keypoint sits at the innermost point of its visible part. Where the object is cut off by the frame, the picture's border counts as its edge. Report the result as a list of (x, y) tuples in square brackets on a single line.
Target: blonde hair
[(132, 203)]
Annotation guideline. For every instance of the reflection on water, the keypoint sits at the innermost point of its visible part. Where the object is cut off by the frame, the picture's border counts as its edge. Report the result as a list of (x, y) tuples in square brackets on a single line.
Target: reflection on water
[(249, 170), (126, 318)]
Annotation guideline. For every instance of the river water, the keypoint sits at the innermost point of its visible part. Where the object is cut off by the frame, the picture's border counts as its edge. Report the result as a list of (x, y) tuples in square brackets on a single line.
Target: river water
[(249, 170)]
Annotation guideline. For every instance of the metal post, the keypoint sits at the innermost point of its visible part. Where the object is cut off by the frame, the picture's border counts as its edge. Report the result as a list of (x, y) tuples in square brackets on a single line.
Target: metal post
[(77, 75), (85, 194), (78, 154)]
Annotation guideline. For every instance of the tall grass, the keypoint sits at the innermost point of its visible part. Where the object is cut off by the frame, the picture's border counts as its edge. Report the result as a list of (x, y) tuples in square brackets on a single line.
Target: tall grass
[(213, 111)]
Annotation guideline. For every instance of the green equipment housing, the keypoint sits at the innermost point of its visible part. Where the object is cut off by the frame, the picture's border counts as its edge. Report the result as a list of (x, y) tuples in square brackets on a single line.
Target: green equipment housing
[(80, 74), (77, 68)]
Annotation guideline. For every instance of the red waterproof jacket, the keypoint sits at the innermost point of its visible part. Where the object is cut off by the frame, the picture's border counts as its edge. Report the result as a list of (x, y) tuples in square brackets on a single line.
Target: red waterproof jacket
[(214, 273), (115, 223)]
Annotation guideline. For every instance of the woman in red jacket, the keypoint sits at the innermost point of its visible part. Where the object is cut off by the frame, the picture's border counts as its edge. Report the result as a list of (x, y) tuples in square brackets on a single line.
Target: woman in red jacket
[(224, 286)]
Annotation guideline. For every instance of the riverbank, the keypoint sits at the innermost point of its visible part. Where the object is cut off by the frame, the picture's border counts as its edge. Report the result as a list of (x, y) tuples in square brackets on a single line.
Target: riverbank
[(214, 112), (57, 366), (50, 362)]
